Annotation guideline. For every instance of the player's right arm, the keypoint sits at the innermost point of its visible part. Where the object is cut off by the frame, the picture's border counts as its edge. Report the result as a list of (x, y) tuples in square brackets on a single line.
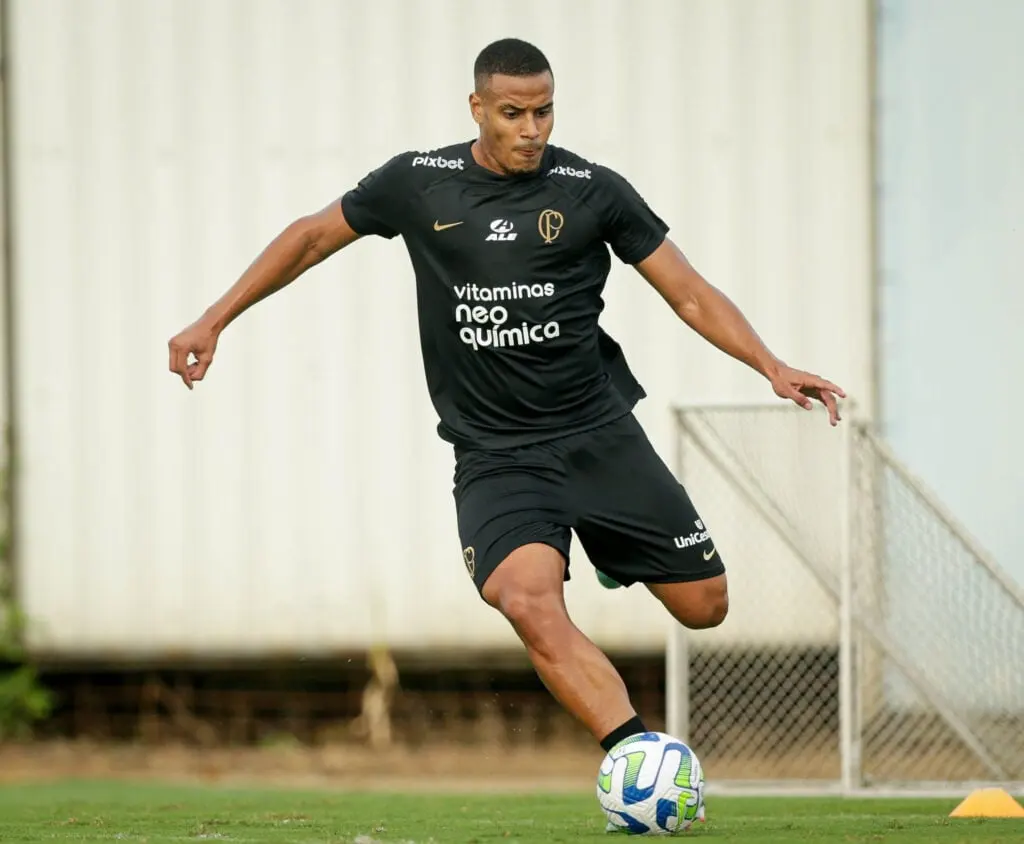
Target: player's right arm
[(372, 207), (302, 245)]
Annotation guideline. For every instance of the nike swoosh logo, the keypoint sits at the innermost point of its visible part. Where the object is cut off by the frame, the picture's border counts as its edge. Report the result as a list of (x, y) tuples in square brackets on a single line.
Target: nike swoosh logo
[(709, 554), (439, 228)]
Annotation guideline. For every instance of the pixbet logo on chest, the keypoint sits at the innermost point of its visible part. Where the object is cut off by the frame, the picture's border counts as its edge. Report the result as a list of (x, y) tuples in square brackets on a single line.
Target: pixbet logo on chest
[(442, 163)]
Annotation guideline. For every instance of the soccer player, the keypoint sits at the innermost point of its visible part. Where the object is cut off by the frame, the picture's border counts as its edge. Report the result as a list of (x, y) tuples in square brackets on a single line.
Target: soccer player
[(509, 239)]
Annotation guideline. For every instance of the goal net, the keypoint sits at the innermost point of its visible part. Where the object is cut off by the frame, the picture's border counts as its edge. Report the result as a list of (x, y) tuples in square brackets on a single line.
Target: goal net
[(869, 641)]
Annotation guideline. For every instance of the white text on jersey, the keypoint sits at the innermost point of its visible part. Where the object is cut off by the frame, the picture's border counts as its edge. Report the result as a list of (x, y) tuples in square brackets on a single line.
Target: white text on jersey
[(443, 163), (569, 171), (501, 230)]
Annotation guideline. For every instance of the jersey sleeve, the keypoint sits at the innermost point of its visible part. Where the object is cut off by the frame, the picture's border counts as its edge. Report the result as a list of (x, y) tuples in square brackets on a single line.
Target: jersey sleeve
[(629, 226), (377, 204)]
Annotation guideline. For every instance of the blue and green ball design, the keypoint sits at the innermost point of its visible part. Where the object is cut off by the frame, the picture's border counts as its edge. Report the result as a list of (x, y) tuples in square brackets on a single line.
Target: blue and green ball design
[(651, 784)]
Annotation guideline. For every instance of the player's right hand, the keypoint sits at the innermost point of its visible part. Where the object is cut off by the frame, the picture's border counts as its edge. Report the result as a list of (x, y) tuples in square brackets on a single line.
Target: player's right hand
[(191, 351)]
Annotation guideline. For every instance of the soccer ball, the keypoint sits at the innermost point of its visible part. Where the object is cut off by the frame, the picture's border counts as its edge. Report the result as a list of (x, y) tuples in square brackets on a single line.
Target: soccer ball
[(651, 784)]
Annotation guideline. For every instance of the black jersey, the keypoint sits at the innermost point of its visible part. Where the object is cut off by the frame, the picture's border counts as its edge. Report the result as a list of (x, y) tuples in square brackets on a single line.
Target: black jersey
[(510, 272)]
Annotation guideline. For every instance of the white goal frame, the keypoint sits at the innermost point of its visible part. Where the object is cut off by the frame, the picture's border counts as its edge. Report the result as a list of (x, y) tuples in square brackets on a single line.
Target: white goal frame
[(856, 445)]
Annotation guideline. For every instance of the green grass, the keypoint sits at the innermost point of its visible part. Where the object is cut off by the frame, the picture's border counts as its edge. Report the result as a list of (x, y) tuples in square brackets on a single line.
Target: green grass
[(100, 811)]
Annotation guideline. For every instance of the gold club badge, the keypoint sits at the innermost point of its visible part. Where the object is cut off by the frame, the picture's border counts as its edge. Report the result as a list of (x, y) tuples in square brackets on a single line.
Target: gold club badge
[(549, 224)]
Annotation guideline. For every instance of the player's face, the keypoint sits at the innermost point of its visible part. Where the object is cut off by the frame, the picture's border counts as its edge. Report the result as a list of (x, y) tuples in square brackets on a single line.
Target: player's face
[(516, 115)]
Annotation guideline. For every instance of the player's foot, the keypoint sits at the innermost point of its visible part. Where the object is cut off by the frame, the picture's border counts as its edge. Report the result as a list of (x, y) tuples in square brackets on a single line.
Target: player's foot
[(607, 582)]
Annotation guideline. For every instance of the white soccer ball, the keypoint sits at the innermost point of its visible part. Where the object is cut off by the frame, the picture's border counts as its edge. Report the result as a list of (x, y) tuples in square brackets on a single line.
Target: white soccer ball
[(651, 784)]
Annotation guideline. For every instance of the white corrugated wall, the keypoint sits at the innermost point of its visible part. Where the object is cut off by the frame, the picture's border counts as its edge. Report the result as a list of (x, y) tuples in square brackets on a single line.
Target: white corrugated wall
[(299, 500)]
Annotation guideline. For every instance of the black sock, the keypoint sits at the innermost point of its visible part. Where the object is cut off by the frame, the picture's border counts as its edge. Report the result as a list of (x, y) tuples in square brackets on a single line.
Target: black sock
[(633, 726)]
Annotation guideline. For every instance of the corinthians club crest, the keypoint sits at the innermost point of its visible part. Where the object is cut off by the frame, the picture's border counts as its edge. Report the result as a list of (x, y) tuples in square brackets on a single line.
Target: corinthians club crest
[(549, 224)]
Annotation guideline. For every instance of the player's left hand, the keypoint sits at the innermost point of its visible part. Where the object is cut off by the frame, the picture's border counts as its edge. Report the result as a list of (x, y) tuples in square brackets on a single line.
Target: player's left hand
[(801, 387)]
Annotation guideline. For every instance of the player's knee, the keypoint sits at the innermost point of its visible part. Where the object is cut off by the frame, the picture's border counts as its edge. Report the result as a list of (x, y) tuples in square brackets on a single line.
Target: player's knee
[(527, 589), (534, 613), (711, 613), (697, 605)]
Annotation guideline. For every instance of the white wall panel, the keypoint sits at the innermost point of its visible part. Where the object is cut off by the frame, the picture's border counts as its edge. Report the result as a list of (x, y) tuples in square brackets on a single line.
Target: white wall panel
[(952, 176), (299, 499), (951, 130)]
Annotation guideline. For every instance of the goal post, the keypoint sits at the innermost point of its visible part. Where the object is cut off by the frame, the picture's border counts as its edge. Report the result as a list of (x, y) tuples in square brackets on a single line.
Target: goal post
[(843, 663)]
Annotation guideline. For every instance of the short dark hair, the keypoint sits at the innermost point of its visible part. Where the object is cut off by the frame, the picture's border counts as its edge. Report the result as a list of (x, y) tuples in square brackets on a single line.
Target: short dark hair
[(508, 57)]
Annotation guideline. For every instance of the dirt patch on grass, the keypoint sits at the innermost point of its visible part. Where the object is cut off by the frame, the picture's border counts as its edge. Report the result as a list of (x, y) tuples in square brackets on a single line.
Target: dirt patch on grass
[(444, 767)]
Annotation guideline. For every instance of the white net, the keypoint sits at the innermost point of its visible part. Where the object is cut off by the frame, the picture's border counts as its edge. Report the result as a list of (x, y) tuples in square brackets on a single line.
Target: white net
[(936, 632), (942, 662)]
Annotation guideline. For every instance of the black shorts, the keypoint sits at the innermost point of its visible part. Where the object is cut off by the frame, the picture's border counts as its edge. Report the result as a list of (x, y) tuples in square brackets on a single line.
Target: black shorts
[(632, 517)]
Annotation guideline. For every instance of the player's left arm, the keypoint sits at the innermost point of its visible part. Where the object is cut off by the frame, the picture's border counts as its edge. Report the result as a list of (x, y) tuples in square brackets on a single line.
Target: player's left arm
[(713, 315)]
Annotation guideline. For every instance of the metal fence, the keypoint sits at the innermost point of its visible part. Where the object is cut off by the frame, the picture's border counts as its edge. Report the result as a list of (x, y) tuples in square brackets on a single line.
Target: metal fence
[(893, 645)]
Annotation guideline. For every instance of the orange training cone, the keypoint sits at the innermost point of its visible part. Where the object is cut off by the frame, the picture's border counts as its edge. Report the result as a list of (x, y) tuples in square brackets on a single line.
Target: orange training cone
[(988, 803)]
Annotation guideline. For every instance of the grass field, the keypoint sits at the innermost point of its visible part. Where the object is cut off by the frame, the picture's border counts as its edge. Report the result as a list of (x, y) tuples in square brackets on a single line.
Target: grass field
[(102, 811)]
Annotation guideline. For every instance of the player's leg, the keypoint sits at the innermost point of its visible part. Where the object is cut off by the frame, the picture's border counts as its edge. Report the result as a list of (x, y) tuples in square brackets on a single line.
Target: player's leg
[(637, 523), (697, 604), (516, 539), (527, 588)]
